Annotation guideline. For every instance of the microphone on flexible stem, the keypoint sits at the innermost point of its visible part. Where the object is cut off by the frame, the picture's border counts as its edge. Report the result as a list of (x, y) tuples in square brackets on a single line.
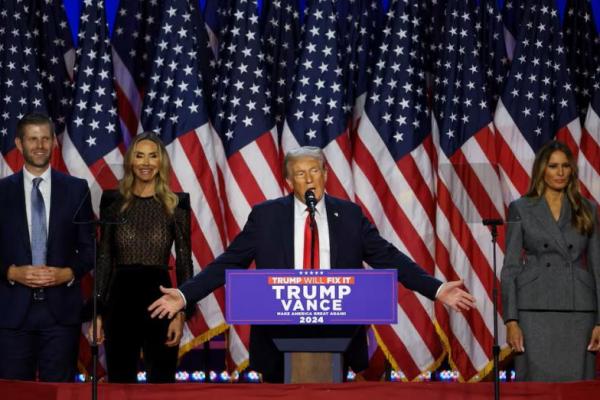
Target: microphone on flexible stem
[(492, 221), (311, 201)]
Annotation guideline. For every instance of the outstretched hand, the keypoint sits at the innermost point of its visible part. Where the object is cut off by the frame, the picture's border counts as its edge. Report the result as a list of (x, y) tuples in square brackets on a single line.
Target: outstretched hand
[(168, 305), (453, 296)]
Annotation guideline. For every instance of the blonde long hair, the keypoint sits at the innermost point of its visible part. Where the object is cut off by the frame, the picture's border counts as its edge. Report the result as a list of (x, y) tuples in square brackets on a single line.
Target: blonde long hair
[(162, 192), (581, 218)]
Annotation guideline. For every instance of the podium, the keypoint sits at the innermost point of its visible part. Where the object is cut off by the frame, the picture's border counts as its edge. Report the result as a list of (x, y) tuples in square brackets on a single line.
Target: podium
[(312, 317), (314, 354)]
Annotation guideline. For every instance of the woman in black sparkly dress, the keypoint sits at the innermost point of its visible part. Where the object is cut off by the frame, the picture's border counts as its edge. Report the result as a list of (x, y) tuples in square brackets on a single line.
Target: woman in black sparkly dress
[(133, 258)]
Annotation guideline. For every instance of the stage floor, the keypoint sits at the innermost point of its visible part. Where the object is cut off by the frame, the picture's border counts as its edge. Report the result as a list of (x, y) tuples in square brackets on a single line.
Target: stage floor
[(14, 390)]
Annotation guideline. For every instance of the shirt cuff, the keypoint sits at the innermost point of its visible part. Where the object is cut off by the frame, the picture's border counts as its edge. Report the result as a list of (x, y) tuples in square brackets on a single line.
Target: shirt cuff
[(12, 283), (70, 283), (183, 297), (439, 290)]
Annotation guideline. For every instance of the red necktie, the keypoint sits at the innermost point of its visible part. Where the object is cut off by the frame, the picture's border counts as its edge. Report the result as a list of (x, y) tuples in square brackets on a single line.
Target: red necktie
[(307, 241)]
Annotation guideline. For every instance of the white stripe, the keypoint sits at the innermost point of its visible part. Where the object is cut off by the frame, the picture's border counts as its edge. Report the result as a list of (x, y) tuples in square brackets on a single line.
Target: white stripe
[(261, 170), (5, 169), (288, 140), (339, 165), (524, 155)]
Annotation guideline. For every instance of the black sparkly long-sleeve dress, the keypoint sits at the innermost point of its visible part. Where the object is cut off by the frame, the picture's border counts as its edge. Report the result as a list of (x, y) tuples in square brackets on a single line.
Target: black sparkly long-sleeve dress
[(133, 261)]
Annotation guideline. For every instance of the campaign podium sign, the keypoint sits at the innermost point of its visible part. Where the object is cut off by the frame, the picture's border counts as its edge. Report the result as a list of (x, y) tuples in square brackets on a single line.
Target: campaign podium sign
[(313, 315)]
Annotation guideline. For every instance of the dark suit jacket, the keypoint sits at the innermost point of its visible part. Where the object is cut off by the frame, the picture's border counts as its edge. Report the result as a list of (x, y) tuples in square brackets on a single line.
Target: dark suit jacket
[(69, 245), (548, 264), (268, 239)]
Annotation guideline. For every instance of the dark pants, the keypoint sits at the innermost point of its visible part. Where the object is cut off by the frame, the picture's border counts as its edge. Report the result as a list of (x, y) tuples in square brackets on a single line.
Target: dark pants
[(129, 328), (41, 348)]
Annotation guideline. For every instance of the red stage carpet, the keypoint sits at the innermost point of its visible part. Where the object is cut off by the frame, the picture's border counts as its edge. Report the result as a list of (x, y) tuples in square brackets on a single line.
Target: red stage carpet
[(13, 390)]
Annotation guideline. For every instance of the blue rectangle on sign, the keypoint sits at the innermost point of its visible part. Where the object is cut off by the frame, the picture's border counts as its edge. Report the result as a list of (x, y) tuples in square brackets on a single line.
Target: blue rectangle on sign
[(329, 297)]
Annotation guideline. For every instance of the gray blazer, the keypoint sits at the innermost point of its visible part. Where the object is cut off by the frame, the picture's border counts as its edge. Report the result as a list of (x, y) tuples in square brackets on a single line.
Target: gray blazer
[(548, 265)]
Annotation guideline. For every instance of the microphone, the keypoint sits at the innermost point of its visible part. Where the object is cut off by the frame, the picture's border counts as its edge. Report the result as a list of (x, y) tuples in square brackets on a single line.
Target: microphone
[(492, 221), (311, 201)]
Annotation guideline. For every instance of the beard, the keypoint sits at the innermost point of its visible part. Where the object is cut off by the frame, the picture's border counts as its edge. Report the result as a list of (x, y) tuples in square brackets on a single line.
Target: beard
[(39, 162)]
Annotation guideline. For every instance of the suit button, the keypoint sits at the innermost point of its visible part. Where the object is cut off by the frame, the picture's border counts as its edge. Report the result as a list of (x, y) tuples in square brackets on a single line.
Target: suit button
[(570, 246), (545, 245), (547, 264)]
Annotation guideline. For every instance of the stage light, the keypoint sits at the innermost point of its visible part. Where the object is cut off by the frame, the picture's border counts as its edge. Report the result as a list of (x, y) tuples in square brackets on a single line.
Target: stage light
[(182, 376), (141, 376), (224, 377), (235, 376), (351, 376), (80, 378), (212, 376), (198, 376), (397, 376), (251, 377)]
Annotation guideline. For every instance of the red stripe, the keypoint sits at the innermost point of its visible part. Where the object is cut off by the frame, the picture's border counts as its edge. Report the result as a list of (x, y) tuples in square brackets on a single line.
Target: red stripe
[(231, 224), (245, 179), (126, 112), (591, 150), (334, 186), (564, 135), (14, 159), (345, 144), (511, 166), (104, 175), (201, 169)]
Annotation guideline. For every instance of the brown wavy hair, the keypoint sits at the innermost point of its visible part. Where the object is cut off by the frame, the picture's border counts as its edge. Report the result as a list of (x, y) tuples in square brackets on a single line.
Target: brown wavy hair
[(162, 192), (582, 217)]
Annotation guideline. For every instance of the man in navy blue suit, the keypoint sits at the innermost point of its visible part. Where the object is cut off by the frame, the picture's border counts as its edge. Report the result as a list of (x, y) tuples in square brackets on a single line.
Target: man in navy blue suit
[(277, 235), (43, 255)]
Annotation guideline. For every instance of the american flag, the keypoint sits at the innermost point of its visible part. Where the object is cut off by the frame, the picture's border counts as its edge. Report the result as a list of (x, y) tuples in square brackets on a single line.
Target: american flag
[(366, 18), (538, 102), (494, 58), (134, 31), (512, 12), (281, 37), (246, 128), (174, 107), (583, 55), (56, 56), (20, 82), (91, 144), (394, 179), (583, 50), (589, 155), (318, 111), (466, 190)]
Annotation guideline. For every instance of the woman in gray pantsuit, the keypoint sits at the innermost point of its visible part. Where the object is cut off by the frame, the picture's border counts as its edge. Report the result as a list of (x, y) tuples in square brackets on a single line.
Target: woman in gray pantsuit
[(551, 274)]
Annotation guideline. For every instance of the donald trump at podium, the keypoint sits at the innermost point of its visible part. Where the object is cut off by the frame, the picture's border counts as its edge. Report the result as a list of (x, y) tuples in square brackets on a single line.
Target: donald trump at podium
[(279, 234)]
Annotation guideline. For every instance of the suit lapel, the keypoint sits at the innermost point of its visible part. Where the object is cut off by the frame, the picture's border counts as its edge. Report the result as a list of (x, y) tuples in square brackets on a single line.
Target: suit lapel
[(543, 215), (20, 209), (287, 233), (333, 221), (56, 188)]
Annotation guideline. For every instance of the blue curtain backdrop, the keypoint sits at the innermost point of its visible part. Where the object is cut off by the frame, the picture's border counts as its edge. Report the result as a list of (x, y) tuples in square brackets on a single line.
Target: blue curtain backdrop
[(73, 7)]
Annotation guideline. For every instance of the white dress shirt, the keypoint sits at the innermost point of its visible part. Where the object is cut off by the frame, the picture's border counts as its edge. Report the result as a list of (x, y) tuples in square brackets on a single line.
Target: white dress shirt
[(300, 213)]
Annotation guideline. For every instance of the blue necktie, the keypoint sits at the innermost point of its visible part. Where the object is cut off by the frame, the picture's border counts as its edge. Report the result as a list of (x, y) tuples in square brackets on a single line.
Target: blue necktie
[(38, 225)]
